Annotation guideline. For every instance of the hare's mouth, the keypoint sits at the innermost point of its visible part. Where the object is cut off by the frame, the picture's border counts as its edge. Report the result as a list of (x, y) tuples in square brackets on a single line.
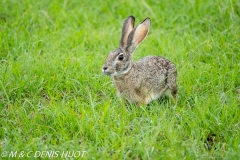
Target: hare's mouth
[(111, 74), (107, 73)]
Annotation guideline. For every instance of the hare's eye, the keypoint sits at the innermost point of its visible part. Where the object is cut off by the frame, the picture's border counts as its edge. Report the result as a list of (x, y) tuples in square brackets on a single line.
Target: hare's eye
[(120, 57)]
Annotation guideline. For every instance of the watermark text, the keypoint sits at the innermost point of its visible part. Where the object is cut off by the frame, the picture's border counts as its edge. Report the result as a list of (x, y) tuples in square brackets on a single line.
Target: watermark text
[(42, 154)]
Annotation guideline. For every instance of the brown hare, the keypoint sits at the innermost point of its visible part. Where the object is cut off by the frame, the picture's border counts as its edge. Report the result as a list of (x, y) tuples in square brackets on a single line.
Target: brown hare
[(145, 80)]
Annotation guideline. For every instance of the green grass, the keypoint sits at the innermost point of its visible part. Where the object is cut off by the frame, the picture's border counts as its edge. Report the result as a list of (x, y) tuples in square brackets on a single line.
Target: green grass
[(53, 96)]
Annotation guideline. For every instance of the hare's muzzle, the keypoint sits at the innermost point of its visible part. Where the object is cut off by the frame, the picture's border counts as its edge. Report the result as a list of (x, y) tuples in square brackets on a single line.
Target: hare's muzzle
[(105, 70)]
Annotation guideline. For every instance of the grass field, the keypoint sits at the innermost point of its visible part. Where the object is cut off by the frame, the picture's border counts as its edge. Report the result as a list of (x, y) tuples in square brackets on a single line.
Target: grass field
[(53, 96)]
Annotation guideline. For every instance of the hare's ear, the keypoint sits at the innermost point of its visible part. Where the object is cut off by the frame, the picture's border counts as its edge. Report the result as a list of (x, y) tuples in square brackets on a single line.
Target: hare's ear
[(137, 35), (127, 27)]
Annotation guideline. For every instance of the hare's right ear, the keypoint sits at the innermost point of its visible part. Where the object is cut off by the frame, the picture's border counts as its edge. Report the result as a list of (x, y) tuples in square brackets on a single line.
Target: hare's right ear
[(137, 35), (127, 27)]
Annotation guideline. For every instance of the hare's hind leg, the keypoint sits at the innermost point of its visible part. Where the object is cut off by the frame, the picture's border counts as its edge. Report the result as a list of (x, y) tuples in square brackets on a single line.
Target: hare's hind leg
[(174, 94), (171, 82)]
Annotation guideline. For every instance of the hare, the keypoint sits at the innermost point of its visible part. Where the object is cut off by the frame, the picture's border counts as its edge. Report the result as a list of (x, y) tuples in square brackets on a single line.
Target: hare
[(143, 81)]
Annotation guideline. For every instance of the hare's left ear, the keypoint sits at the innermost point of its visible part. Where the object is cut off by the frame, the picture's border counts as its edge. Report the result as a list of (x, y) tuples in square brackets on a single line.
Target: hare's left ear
[(127, 27), (137, 35)]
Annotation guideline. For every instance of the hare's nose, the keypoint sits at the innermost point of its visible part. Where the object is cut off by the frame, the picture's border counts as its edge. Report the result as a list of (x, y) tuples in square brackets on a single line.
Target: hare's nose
[(105, 68)]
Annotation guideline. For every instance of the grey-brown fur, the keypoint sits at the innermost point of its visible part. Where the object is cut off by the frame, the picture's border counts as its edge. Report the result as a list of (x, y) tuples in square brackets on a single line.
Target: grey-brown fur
[(149, 78)]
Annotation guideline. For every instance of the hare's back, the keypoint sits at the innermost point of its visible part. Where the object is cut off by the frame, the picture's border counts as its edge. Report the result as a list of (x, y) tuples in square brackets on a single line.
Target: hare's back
[(154, 65), (153, 71)]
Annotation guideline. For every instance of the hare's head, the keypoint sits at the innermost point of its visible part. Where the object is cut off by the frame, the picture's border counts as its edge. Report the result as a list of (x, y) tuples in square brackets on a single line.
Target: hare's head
[(119, 61)]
